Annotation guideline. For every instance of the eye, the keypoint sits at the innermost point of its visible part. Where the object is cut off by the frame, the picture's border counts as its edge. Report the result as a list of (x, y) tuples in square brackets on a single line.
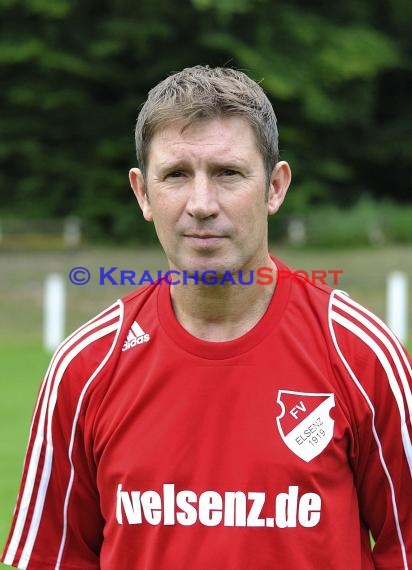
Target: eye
[(229, 172), (175, 174)]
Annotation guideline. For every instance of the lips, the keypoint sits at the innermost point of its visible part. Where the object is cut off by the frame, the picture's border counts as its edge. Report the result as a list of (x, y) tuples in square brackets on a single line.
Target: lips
[(204, 240), (204, 236)]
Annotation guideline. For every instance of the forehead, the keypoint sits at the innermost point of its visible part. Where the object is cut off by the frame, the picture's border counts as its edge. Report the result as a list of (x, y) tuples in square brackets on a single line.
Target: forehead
[(228, 137)]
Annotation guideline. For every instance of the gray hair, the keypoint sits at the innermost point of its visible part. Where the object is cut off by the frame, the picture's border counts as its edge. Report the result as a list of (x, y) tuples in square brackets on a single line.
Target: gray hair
[(201, 92)]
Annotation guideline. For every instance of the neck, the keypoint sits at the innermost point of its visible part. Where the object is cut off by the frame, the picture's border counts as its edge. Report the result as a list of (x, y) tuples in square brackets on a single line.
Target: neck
[(221, 312)]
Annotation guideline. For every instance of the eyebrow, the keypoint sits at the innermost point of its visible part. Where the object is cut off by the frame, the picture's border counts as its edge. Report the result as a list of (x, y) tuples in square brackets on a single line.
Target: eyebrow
[(214, 165), (171, 165)]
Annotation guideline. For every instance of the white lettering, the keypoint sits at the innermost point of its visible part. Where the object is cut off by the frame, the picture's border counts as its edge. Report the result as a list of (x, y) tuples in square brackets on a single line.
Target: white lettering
[(235, 509), (298, 408), (256, 508), (188, 516), (152, 507), (286, 508), (210, 508), (309, 509), (131, 505), (135, 341), (169, 503), (119, 516)]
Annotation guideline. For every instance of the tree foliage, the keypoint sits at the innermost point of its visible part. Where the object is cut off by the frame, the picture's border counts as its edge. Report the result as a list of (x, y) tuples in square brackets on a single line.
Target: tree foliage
[(74, 73)]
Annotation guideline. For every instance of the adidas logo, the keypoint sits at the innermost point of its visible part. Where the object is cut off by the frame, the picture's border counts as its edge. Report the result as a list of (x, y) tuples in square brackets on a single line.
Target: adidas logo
[(136, 335)]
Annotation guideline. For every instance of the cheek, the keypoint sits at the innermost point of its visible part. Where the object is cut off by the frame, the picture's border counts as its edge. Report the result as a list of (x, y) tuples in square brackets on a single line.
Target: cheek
[(165, 230), (254, 221), (165, 205), (253, 215), (160, 226)]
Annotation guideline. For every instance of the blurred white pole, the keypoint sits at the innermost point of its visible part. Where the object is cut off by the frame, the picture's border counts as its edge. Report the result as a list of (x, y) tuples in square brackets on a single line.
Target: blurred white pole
[(397, 304), (54, 308), (296, 230), (72, 233)]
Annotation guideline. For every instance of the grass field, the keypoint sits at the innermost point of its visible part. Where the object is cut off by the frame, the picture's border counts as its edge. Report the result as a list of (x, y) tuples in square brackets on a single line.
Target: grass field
[(23, 361), (21, 367)]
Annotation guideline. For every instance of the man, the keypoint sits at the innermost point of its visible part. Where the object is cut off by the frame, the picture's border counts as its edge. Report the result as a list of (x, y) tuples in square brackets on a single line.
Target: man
[(225, 426)]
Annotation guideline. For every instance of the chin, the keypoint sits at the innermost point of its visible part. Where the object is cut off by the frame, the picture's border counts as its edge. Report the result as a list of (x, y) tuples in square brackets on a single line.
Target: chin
[(217, 267), (210, 262)]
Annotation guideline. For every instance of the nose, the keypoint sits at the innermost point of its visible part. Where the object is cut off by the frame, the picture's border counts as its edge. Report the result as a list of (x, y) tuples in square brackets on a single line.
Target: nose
[(202, 201)]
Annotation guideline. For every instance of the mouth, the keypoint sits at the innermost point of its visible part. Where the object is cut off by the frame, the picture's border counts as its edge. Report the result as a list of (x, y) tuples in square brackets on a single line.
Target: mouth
[(205, 240), (204, 236)]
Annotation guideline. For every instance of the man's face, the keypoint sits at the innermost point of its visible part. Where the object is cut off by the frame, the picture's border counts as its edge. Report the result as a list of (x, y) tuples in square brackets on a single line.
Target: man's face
[(205, 192)]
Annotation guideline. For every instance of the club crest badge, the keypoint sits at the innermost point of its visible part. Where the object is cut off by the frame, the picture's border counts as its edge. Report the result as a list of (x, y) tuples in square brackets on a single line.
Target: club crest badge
[(304, 423)]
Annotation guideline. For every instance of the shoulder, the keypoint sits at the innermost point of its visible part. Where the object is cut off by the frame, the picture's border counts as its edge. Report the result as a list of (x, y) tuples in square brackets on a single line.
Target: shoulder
[(308, 299), (83, 354), (343, 319), (351, 322), (360, 344), (364, 343), (140, 297), (93, 347), (373, 366)]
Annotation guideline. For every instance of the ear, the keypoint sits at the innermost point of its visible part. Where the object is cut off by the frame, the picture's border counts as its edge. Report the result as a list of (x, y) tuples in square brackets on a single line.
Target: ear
[(279, 184), (139, 190)]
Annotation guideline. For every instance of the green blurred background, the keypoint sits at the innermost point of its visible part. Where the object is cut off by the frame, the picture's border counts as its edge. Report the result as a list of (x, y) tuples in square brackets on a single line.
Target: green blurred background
[(74, 74)]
